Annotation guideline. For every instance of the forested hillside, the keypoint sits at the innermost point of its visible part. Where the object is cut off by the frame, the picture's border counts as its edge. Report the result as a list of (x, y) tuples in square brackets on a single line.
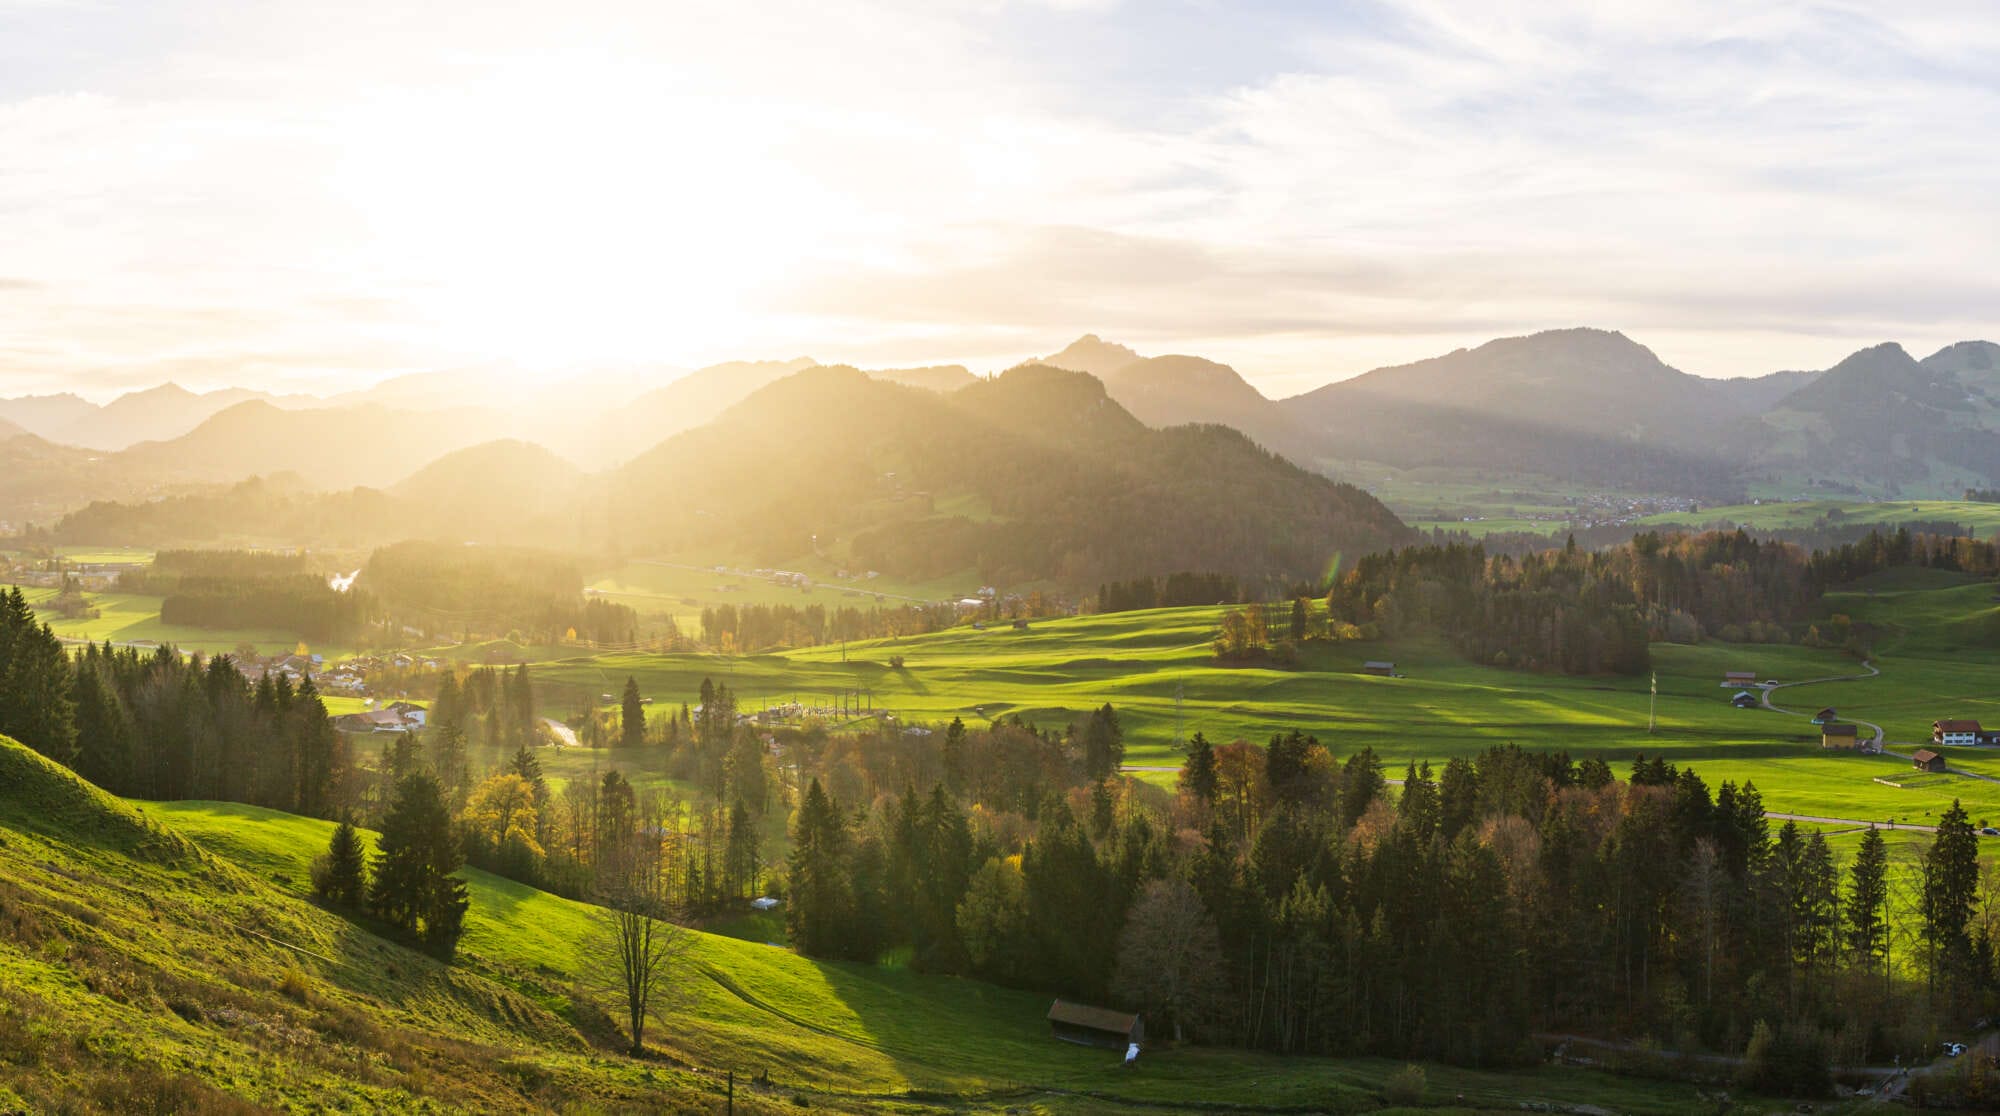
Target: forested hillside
[(1034, 474)]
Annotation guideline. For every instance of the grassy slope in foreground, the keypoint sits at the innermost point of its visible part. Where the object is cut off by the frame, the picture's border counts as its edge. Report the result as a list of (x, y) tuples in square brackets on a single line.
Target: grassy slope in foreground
[(140, 972), (849, 1033), (159, 957)]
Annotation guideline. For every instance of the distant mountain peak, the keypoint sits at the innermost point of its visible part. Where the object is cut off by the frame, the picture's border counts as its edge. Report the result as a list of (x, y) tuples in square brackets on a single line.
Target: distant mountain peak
[(1091, 353), (168, 390), (1966, 356)]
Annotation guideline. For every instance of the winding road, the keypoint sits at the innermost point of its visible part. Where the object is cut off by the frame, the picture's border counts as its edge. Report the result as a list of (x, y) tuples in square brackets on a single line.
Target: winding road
[(1872, 671)]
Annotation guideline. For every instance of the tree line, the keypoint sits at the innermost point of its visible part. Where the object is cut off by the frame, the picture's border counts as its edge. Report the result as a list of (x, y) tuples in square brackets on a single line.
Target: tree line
[(158, 724), (731, 627), (1595, 611), (1173, 591), (491, 591), (1285, 900)]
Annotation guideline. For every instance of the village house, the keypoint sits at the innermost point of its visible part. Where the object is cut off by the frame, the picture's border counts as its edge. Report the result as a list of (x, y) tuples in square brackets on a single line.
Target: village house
[(1095, 1026), (398, 718), (1739, 678), (1744, 699), (1839, 737), (1927, 760), (1955, 734)]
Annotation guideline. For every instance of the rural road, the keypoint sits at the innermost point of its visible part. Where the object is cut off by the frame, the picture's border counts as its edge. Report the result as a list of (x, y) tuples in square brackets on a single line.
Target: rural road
[(1872, 671), (1850, 821)]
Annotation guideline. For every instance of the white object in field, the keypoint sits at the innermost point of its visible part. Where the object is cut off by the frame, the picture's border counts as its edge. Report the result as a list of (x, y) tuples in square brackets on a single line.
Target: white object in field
[(1131, 1053), (764, 903)]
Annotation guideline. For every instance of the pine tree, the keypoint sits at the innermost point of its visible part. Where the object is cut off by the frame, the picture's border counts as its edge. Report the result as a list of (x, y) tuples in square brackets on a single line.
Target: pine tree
[(742, 859), (1868, 898), (340, 875), (321, 780), (419, 851), (1198, 774), (1950, 892), (953, 759), (35, 684), (816, 913), (632, 716), (1103, 743)]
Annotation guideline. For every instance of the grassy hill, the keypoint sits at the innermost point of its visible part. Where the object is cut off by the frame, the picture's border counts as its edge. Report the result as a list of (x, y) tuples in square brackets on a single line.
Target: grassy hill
[(142, 972), (162, 957)]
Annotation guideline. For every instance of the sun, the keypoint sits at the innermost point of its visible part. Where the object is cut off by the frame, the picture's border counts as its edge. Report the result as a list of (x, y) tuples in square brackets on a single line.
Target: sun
[(575, 211)]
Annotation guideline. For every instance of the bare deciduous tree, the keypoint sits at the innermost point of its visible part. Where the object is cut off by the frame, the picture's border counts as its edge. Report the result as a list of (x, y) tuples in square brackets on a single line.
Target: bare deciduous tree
[(637, 948), (1170, 957)]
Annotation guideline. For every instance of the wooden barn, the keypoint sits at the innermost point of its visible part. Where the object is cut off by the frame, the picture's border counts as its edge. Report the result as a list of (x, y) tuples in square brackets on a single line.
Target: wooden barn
[(1926, 760), (1840, 737), (1095, 1026)]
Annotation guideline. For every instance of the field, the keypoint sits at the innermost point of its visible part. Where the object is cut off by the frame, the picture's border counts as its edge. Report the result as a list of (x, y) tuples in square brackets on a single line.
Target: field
[(1940, 644), (1156, 669), (1980, 519), (133, 618), (680, 590)]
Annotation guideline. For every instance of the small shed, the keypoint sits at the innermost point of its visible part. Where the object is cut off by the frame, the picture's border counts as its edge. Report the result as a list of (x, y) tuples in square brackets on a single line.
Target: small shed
[(1739, 678), (1379, 667), (1095, 1026), (1744, 699), (1825, 716), (1839, 736), (1927, 760)]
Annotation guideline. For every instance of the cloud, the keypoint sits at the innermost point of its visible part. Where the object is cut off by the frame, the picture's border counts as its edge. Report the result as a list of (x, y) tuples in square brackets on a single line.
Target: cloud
[(1305, 191)]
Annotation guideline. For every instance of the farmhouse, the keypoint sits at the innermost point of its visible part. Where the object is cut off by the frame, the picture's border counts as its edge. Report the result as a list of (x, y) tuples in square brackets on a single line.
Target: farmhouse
[(1095, 1026), (1842, 737), (1739, 678), (1927, 760), (398, 718), (1744, 699), (1377, 666), (1955, 734)]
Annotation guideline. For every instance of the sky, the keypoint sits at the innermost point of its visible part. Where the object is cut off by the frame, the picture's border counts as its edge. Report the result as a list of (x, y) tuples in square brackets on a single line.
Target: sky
[(312, 196)]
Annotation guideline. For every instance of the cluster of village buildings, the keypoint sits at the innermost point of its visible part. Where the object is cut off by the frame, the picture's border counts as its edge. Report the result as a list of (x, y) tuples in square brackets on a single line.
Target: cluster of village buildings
[(1843, 736)]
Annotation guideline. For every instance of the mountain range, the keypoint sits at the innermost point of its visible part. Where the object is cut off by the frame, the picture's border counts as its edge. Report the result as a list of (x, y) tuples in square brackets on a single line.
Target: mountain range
[(1584, 407), (1592, 407)]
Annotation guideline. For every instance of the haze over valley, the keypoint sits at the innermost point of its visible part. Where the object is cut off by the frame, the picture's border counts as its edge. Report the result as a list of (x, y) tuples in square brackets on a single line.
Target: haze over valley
[(1031, 556)]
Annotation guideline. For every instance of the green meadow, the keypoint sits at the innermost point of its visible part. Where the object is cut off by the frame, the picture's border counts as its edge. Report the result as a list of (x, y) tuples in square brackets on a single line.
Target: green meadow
[(1156, 668), (682, 590), (1774, 515), (843, 1032), (135, 618), (165, 957)]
